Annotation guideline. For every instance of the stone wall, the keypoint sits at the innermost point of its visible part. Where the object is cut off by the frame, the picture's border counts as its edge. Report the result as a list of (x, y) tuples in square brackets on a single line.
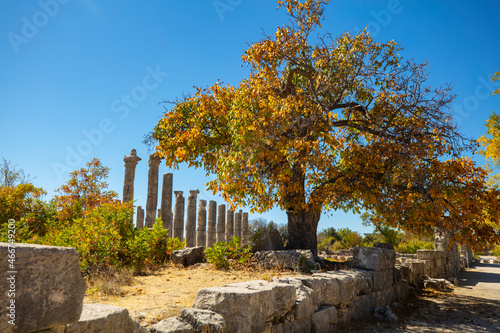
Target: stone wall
[(321, 302)]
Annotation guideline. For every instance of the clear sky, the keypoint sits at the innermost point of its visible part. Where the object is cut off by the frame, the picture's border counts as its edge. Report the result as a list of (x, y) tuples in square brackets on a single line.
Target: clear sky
[(84, 78)]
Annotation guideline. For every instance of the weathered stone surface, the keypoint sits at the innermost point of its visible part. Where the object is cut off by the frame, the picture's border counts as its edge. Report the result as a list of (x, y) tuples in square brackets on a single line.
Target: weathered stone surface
[(324, 320), (191, 219), (347, 283), (375, 259), (229, 224), (188, 256), (179, 215), (128, 182), (105, 318), (246, 306), (221, 223), (364, 280), (298, 326), (201, 232), (205, 321), (48, 284), (325, 289), (304, 305), (437, 284), (244, 228), (212, 223), (172, 325), (140, 218), (237, 224), (152, 200), (167, 216), (382, 279), (290, 259)]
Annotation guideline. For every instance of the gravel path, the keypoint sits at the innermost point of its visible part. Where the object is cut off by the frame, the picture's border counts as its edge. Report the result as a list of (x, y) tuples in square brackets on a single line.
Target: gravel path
[(474, 306)]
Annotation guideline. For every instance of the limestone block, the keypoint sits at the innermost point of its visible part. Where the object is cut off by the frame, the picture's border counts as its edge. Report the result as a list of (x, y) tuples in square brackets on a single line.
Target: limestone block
[(48, 287), (364, 280), (424, 254), (203, 320), (298, 326), (375, 259), (304, 305), (382, 279), (401, 289), (246, 306), (347, 284), (105, 318), (324, 320), (291, 259), (363, 306), (172, 325), (325, 289), (187, 256)]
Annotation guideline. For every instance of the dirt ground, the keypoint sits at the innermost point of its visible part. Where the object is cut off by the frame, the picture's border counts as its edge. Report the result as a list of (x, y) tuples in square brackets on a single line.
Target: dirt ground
[(473, 306), (165, 293)]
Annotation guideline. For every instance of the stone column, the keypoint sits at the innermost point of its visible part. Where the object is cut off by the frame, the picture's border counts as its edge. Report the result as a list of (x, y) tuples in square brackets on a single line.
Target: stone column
[(221, 223), (179, 216), (152, 201), (237, 224), (128, 182), (229, 224), (244, 228), (191, 219), (166, 203), (140, 218), (201, 233), (211, 232)]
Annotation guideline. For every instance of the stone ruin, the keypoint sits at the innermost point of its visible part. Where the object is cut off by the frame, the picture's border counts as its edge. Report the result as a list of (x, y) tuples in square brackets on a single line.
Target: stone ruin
[(196, 228), (50, 290)]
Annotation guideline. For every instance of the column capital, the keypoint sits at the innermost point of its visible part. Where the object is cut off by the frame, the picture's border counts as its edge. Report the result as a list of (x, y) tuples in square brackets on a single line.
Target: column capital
[(132, 159)]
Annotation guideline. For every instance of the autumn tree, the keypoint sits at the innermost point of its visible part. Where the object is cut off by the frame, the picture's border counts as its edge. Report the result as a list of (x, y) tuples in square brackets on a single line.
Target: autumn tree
[(86, 189), (11, 176), (327, 123)]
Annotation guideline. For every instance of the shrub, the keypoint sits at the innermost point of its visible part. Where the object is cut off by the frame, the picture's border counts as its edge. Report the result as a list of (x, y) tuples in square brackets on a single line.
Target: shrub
[(220, 253), (413, 246)]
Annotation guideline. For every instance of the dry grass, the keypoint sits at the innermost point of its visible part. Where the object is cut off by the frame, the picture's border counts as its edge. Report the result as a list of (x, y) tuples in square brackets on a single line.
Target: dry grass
[(164, 293)]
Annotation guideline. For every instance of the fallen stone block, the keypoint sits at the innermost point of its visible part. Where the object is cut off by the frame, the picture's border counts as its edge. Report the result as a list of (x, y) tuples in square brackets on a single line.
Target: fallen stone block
[(246, 306), (375, 259), (304, 305), (324, 320), (203, 320), (187, 256), (105, 318), (47, 287), (172, 325), (437, 284), (290, 259)]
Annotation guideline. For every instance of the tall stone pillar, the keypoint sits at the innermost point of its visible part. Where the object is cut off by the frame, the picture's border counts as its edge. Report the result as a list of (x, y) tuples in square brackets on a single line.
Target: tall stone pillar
[(152, 201), (229, 224), (140, 218), (191, 219), (244, 228), (221, 223), (166, 203), (201, 233), (237, 224), (128, 182), (179, 216), (211, 231)]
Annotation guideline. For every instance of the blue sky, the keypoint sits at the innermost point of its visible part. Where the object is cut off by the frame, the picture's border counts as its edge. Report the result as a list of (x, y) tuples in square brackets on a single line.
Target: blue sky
[(85, 78)]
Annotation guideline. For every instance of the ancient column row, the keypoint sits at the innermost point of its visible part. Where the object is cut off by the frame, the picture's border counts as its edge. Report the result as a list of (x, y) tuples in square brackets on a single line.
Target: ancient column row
[(221, 226)]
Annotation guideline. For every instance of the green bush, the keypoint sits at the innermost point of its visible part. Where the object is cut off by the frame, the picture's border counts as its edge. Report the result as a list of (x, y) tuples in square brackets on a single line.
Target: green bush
[(220, 253), (413, 246)]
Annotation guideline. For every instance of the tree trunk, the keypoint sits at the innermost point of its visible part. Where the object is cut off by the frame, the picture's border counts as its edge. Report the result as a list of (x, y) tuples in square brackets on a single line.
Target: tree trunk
[(302, 228)]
